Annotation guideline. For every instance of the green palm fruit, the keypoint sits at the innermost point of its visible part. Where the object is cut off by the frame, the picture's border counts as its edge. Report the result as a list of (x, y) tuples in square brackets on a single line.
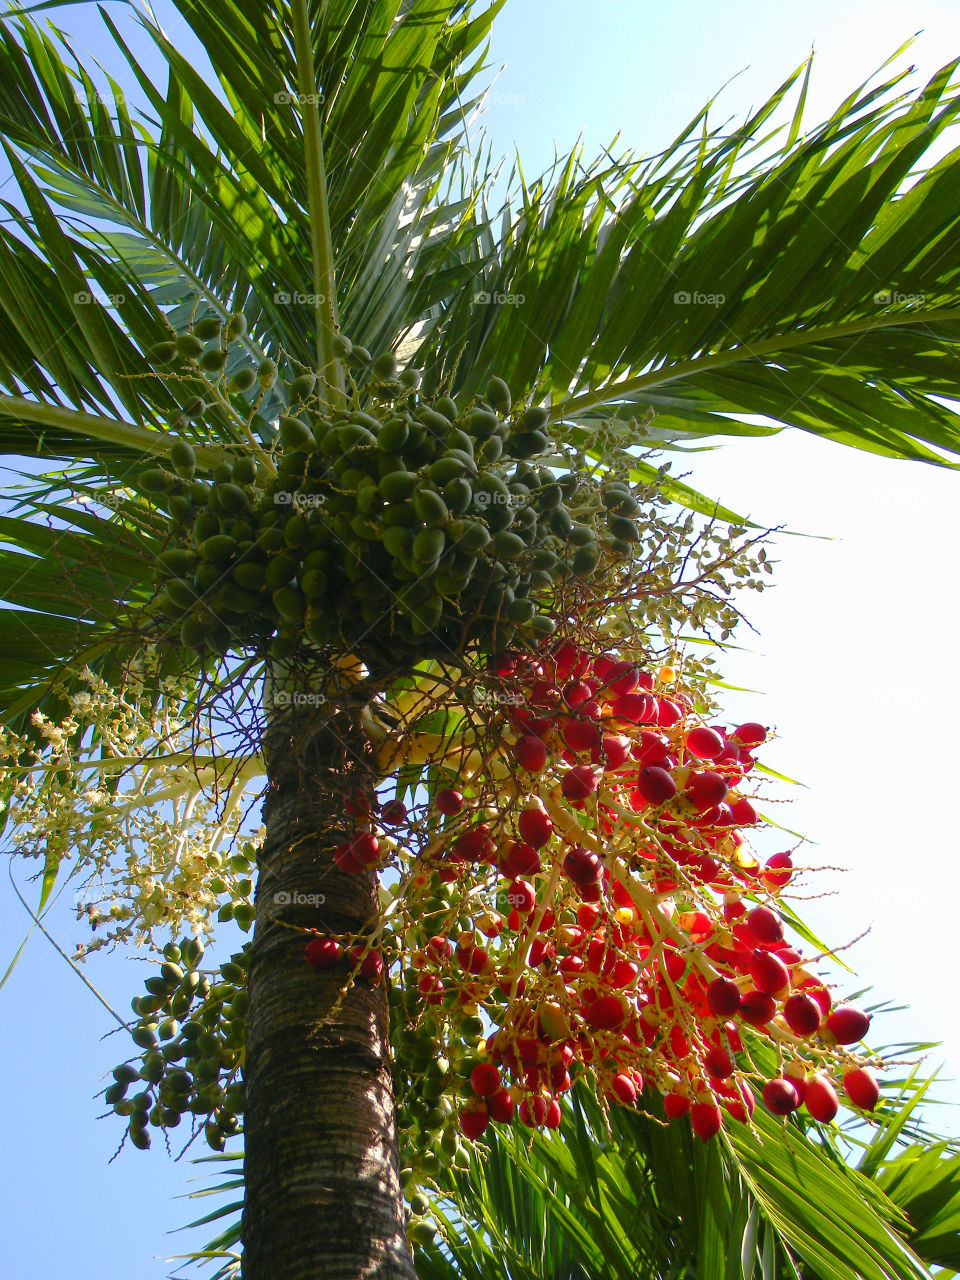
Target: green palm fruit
[(527, 444), (540, 626), (490, 450), (181, 509), (469, 535), (560, 521), (280, 569), (540, 580), (585, 560), (500, 516), (521, 611), (296, 531), (236, 327), (428, 546), (138, 1136), (446, 467), (535, 418), (205, 526), (398, 485), (176, 560), (341, 344), (233, 599), (222, 474), (397, 540), (213, 361), (447, 406), (162, 352), (359, 356), (303, 387), (208, 328), (621, 548), (581, 534), (295, 434), (206, 576), (568, 483), (181, 592), (269, 540), (290, 605), (192, 953), (193, 633), (245, 470), (153, 480), (434, 421), (143, 1038), (549, 496), (183, 459), (482, 423), (267, 373), (498, 395), (543, 558), (218, 548), (393, 435), (231, 499), (385, 365), (430, 507), (361, 419), (189, 346), (410, 377), (282, 646), (242, 380), (458, 495), (623, 529)]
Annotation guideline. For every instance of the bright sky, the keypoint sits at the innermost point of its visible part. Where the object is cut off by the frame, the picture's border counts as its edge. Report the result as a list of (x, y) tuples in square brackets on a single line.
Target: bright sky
[(852, 658)]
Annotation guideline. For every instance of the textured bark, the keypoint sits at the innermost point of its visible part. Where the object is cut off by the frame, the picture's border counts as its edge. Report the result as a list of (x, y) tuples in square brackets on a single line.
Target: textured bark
[(323, 1196)]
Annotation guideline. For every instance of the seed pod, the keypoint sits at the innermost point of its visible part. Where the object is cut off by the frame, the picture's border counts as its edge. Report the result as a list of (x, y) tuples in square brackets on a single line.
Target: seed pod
[(189, 346), (242, 380)]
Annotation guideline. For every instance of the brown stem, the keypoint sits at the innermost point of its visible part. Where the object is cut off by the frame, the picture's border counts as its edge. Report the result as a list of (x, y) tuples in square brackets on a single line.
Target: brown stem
[(323, 1196)]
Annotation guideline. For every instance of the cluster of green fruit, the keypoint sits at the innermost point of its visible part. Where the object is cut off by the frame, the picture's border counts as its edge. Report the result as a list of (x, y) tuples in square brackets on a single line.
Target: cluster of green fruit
[(191, 1032), (442, 525)]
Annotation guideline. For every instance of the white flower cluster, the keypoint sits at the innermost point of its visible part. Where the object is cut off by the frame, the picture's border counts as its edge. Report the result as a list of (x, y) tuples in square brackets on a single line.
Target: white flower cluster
[(117, 797)]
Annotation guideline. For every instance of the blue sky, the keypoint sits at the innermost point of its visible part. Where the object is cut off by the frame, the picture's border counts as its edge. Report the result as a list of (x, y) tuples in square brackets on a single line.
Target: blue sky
[(852, 662)]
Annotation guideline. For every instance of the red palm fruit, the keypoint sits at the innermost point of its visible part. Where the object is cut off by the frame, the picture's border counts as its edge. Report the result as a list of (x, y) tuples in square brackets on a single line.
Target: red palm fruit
[(605, 1013), (501, 1106), (521, 860), (322, 952), (676, 1105), (669, 712), (581, 735), (706, 1119), (802, 1014), (540, 951), (624, 973), (473, 845), (623, 678), (744, 1107), (474, 1118), (587, 915), (623, 1089), (347, 859), (474, 960), (533, 1111), (765, 926), (723, 997), (439, 948), (820, 1098), (706, 788), (656, 785), (502, 664), (789, 955), (616, 749), (530, 753), (769, 973), (568, 659), (576, 692), (750, 734), (553, 1115), (862, 1088), (732, 1036), (582, 866), (650, 748), (778, 871), (744, 814), (757, 1008), (781, 1096), (521, 896), (818, 992), (371, 962), (366, 847), (535, 827), (560, 1080), (449, 802), (485, 1079), (719, 1063), (431, 988), (848, 1025), (704, 742), (579, 782), (393, 813)]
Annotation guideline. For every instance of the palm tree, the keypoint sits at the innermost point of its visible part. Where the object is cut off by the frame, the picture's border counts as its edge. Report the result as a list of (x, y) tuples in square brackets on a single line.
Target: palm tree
[(734, 275)]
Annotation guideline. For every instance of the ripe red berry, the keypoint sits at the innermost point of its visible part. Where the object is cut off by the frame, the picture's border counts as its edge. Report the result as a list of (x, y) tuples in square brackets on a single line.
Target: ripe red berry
[(393, 813), (576, 692), (322, 952), (366, 847), (862, 1088), (706, 1119), (781, 1096), (530, 753), (820, 1098), (765, 926), (521, 896), (520, 860), (535, 827), (346, 858), (757, 1008), (553, 1115), (723, 997), (371, 962), (743, 812), (676, 1105), (750, 734), (705, 743), (579, 782), (474, 1119), (719, 1063), (656, 785), (533, 1111), (485, 1079), (501, 1106), (623, 677), (582, 866), (706, 788), (847, 1024), (669, 712), (778, 871), (449, 802), (616, 749), (769, 973), (802, 1014), (581, 735), (431, 988), (623, 1089), (605, 1013)]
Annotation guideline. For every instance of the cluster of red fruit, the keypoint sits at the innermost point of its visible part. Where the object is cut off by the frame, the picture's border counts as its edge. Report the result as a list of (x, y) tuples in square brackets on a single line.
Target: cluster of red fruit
[(597, 904)]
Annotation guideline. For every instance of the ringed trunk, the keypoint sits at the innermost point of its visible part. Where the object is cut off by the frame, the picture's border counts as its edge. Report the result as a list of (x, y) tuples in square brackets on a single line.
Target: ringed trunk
[(323, 1194)]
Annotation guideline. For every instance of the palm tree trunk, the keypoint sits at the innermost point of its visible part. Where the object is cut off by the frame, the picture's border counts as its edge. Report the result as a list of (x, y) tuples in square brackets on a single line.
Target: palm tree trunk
[(323, 1196)]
